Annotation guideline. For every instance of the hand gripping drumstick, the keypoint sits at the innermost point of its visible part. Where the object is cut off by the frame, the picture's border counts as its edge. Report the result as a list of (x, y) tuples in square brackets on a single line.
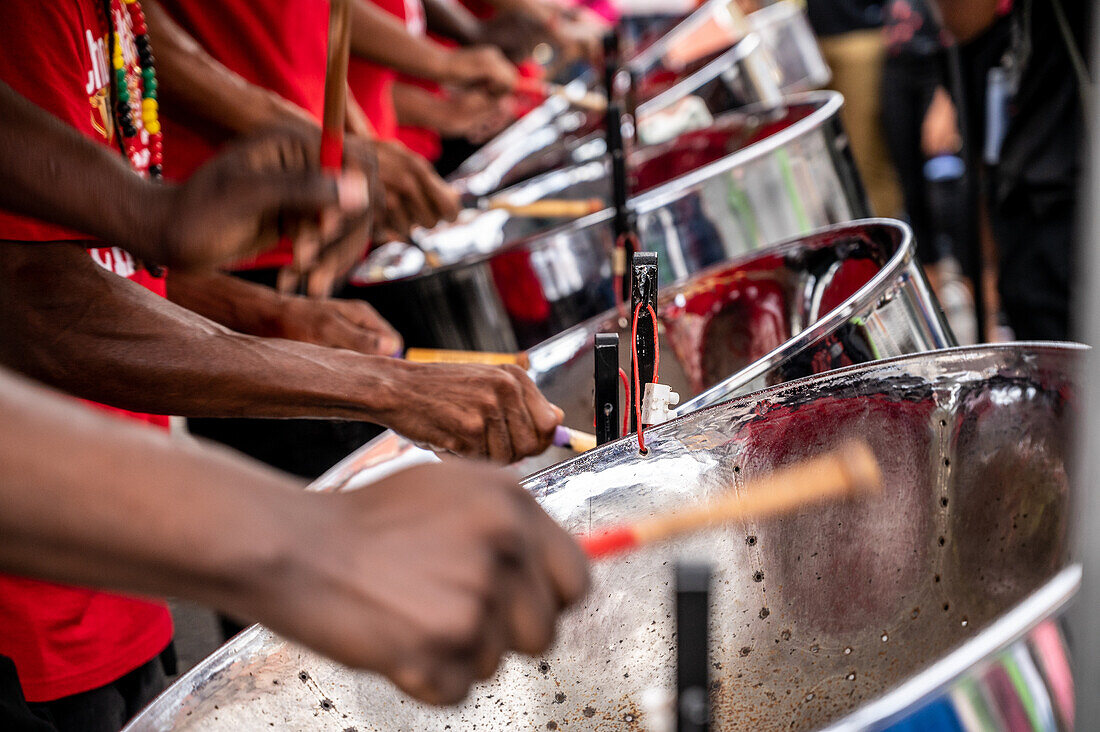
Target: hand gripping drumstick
[(575, 440), (846, 472)]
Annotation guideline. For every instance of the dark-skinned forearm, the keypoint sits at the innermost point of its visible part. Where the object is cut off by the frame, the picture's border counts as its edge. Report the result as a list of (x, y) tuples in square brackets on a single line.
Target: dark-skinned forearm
[(89, 499), (452, 20), (75, 326), (230, 301), (51, 171), (417, 107), (380, 37)]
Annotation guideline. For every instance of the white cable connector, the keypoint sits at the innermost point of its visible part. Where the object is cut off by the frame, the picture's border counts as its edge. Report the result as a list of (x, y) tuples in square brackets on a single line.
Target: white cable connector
[(656, 399)]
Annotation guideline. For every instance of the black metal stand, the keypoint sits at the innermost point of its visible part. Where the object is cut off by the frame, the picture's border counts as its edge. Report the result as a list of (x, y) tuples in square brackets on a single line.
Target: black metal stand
[(643, 291), (607, 388), (692, 647)]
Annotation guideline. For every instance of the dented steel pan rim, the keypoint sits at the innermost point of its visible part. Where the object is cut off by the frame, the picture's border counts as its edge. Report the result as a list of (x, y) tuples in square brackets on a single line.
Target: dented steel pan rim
[(828, 105), (884, 283), (926, 685), (770, 394)]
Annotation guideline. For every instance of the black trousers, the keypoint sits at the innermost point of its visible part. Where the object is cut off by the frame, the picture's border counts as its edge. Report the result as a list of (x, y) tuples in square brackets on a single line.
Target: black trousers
[(1035, 252), (106, 709), (14, 713), (908, 83)]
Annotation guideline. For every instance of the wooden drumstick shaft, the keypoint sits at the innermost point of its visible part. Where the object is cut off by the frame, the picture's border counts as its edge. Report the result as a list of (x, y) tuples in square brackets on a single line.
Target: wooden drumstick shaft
[(549, 207), (336, 84), (845, 472), (440, 355)]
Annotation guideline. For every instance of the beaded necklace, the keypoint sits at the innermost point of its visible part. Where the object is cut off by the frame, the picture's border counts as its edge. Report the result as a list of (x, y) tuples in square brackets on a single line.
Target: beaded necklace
[(129, 136)]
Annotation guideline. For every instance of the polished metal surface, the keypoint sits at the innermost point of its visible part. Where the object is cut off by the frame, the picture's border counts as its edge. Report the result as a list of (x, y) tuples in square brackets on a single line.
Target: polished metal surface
[(750, 182), (854, 614), (778, 56)]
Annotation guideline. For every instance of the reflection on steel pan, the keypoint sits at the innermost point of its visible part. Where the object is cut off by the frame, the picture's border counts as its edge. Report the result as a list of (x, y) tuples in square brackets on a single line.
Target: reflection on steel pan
[(780, 56), (854, 613), (748, 184), (845, 295)]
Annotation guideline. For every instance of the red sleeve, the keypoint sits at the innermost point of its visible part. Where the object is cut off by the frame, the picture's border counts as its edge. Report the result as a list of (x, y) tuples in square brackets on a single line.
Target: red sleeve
[(48, 59)]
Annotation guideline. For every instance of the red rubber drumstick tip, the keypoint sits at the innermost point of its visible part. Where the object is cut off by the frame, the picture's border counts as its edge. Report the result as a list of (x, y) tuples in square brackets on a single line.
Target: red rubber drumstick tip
[(608, 542)]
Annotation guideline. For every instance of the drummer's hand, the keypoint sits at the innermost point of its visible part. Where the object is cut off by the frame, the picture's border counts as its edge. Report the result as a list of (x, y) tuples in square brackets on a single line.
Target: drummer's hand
[(415, 195), (428, 576), (350, 324), (514, 32), (577, 36), (323, 268), (493, 412), (474, 115), (241, 201), (484, 67)]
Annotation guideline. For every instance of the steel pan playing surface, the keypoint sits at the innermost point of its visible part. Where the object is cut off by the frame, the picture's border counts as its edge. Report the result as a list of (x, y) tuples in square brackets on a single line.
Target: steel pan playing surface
[(816, 614)]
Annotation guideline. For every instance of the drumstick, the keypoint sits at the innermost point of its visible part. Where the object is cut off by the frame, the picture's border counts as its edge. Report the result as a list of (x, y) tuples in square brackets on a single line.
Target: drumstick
[(335, 102), (848, 471), (336, 84), (440, 355), (573, 439), (548, 207), (589, 101)]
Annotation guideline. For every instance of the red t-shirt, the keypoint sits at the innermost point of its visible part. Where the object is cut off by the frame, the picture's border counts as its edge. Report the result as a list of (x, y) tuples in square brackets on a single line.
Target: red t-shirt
[(280, 45), (371, 84), (65, 640)]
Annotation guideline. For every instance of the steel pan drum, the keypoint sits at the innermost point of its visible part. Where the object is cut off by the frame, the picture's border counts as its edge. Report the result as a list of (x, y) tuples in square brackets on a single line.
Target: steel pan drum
[(780, 56), (796, 176), (848, 294), (850, 613)]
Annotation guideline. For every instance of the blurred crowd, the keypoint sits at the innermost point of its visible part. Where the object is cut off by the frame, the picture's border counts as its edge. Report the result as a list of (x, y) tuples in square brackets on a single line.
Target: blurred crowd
[(966, 120)]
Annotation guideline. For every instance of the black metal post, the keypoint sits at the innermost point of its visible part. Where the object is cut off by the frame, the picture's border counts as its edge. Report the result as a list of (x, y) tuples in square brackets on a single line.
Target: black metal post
[(692, 647), (643, 290), (607, 388)]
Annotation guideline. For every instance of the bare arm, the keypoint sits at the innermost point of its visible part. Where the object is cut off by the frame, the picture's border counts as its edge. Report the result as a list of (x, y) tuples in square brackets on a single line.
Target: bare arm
[(470, 114), (434, 569), (50, 171), (380, 37), (75, 326), (261, 311)]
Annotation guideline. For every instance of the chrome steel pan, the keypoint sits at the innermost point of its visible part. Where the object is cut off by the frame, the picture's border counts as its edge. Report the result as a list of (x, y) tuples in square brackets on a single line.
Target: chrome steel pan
[(780, 56), (859, 611), (848, 294), (796, 176)]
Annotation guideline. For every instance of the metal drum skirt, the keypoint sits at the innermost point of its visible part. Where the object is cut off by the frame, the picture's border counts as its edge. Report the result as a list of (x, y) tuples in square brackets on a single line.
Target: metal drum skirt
[(850, 614), (780, 56), (783, 181)]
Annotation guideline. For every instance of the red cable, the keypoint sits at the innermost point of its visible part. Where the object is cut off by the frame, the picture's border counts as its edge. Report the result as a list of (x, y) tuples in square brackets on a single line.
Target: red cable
[(626, 395), (634, 362)]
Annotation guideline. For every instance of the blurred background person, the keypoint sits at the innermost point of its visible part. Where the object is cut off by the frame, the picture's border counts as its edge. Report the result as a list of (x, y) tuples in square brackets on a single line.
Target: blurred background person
[(850, 35)]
